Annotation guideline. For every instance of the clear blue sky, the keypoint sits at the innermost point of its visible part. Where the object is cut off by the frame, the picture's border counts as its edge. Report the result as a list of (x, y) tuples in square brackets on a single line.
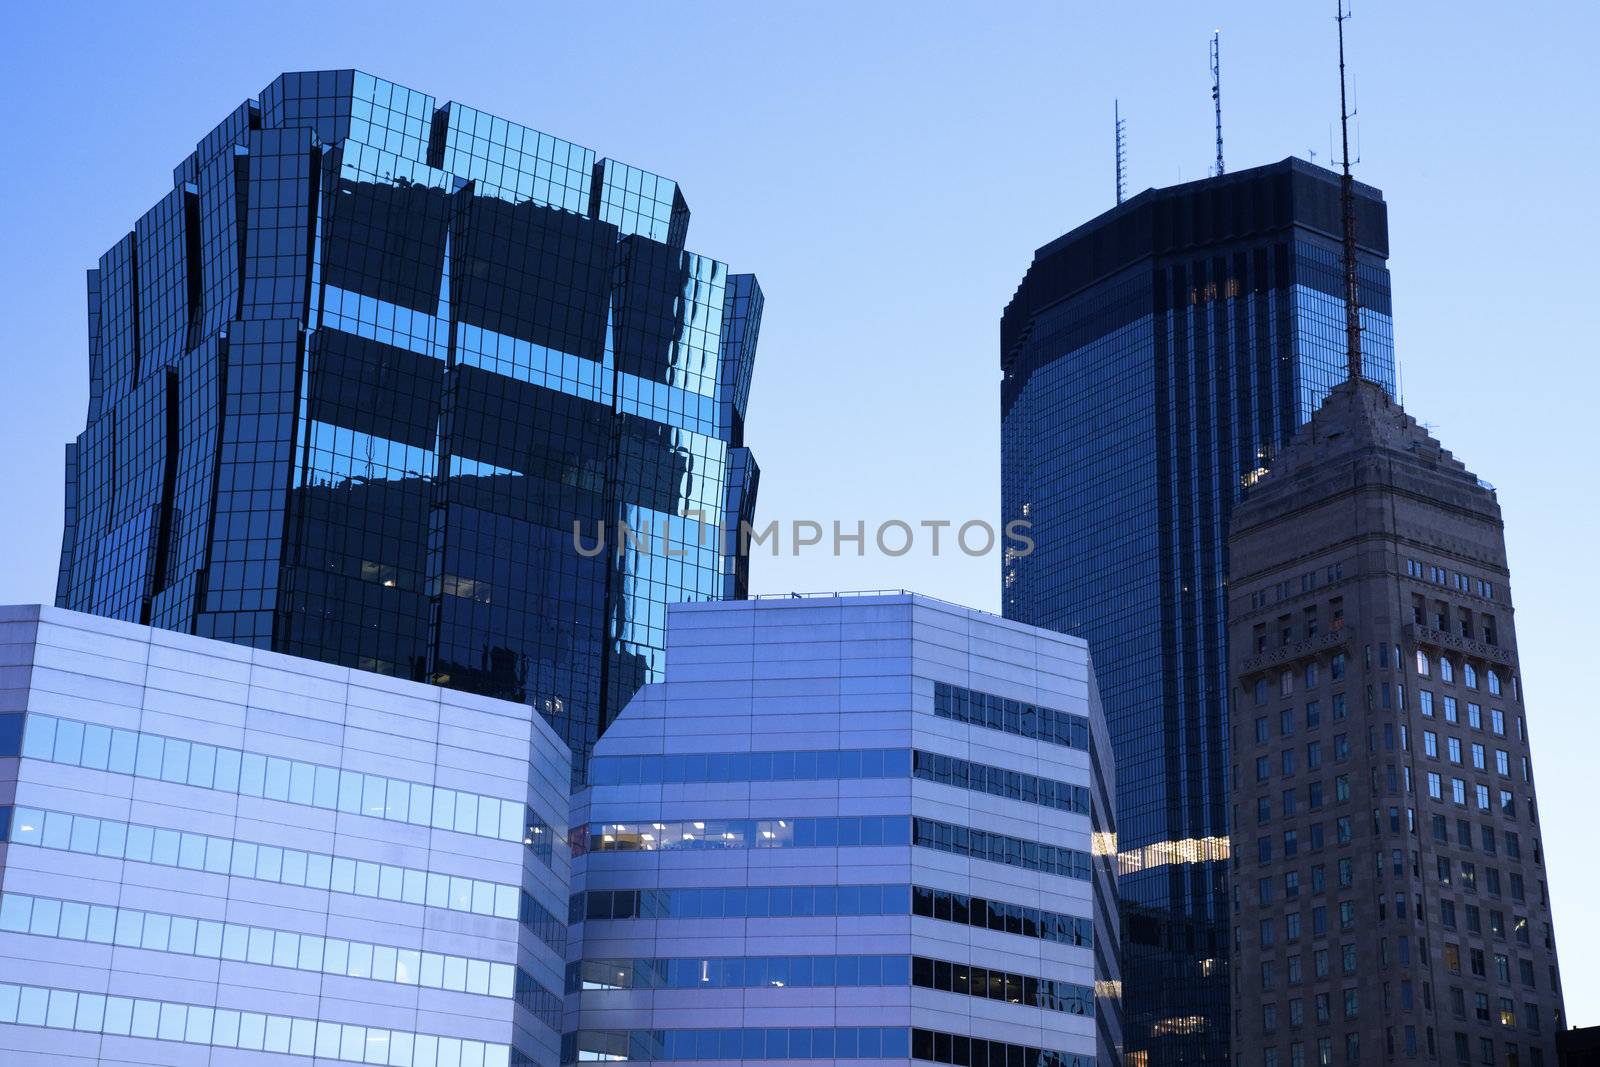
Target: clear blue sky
[(887, 170)]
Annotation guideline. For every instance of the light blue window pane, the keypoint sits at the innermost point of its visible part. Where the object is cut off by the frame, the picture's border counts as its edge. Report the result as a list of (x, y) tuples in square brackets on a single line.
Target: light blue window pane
[(39, 739), (450, 1052), (328, 1040), (511, 826), (444, 808), (181, 936), (285, 949), (302, 782), (269, 863), (97, 754), (69, 742), (197, 1028), (252, 1028), (460, 893), (46, 917), (225, 1028), (57, 830), (366, 884), (311, 949), (344, 875), (397, 801), (294, 867), (425, 1051), (483, 897), (217, 855), (102, 924), (202, 767), (175, 761), (119, 1016), (336, 956), (235, 941), (63, 1010), (141, 844), (27, 826), (130, 924), (466, 814), (478, 977), (505, 901), (325, 793), (389, 882), (432, 974), (372, 790), (244, 859), (438, 890), (148, 765), (260, 946), (489, 817), (276, 1038), (173, 1017), (227, 774), (415, 887), (164, 849), (124, 754), (16, 910), (359, 962), (352, 1043), (146, 1018), (91, 1012), (319, 870), (421, 812), (208, 939), (32, 1005), (303, 1037), (401, 1052), (156, 928), (407, 966), (192, 852), (383, 963), (85, 834), (501, 980), (252, 775), (350, 792), (74, 921), (276, 781)]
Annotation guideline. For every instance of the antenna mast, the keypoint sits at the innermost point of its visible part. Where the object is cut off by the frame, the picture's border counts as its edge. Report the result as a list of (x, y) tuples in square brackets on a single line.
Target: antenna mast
[(1122, 150), (1347, 198), (1216, 90)]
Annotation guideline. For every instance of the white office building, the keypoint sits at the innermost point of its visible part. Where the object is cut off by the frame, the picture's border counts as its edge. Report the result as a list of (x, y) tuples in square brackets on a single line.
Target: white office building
[(211, 854), (869, 827)]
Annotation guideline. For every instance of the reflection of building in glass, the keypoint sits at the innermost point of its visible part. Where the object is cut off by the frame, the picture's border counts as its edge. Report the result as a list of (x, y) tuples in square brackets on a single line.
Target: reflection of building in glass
[(848, 828), (357, 377), (223, 848), (1154, 358)]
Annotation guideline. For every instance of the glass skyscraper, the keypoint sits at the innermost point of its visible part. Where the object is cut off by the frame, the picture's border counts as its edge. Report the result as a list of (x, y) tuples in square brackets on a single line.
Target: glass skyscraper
[(1154, 358), (358, 376)]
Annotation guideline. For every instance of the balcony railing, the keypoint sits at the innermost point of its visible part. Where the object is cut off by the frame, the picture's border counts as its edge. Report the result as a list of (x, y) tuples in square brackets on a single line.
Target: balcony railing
[(1335, 637), (1419, 634)]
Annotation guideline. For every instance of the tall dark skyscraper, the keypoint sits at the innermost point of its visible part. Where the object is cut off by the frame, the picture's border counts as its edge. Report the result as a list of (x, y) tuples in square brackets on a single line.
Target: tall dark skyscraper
[(1391, 901), (1154, 358), (357, 376)]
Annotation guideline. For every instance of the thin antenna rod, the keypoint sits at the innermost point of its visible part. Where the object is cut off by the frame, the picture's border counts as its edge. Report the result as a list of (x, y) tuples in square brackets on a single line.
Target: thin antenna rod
[(1122, 151), (1216, 91), (1347, 196)]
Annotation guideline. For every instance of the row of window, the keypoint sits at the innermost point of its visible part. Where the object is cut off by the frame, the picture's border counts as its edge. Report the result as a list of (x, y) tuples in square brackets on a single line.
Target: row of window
[(1011, 716), (1454, 752), (1001, 848), (1486, 1052), (990, 984), (770, 1043), (738, 972), (999, 782), (699, 834), (232, 770), (194, 1024), (127, 927), (1478, 962), (1455, 579), (844, 900), (1506, 1010), (1480, 795), (802, 765), (1449, 710), (268, 863)]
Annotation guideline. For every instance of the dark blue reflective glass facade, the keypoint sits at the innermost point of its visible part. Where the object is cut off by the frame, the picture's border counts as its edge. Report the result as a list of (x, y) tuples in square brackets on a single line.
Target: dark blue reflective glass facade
[(1153, 359), (355, 379)]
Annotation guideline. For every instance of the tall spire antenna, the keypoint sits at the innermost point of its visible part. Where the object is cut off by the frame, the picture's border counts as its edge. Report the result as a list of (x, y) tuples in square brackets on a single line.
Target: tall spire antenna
[(1216, 91), (1347, 199), (1122, 150)]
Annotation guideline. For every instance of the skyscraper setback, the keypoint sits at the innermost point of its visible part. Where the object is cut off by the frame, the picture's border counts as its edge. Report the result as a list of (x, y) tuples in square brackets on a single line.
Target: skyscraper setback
[(1391, 900), (1154, 359), (357, 376)]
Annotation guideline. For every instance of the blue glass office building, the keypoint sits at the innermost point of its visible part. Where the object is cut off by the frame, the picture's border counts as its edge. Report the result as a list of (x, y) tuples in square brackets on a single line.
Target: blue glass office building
[(355, 379), (1154, 358)]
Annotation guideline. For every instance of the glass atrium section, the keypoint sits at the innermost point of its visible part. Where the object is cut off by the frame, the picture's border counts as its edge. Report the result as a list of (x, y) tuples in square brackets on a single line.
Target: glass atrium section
[(1154, 359), (360, 378)]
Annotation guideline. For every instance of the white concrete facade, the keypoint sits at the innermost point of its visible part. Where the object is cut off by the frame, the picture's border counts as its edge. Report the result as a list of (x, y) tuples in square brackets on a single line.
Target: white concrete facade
[(743, 946), (217, 855)]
